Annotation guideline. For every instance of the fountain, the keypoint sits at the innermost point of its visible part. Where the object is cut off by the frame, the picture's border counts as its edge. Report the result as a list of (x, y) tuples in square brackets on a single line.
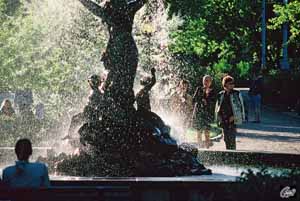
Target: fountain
[(119, 142)]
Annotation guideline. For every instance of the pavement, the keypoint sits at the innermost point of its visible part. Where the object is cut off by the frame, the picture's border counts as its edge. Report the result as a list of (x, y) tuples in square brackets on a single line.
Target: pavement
[(277, 132)]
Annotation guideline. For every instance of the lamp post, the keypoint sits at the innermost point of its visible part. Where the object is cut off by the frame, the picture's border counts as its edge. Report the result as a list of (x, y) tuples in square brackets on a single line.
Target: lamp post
[(263, 34), (284, 64)]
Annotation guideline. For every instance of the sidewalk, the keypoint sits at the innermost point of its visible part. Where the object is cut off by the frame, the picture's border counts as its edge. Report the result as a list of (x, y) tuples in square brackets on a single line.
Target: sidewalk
[(278, 132), (273, 109)]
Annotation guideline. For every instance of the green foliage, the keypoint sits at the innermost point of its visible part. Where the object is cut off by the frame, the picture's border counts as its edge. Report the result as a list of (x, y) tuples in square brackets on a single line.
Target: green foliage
[(243, 68), (184, 8), (50, 53), (264, 185), (192, 40), (290, 14), (222, 67), (219, 37)]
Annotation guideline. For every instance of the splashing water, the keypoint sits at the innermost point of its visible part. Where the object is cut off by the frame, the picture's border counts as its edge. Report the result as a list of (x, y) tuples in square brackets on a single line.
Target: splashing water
[(79, 38)]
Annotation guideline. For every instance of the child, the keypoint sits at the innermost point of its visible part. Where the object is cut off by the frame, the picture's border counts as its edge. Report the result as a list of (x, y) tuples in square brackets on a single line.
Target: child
[(229, 111)]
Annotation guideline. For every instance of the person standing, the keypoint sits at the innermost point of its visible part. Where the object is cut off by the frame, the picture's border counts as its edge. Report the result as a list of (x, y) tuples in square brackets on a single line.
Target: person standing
[(6, 108), (25, 174), (182, 103), (229, 111), (255, 92), (203, 114)]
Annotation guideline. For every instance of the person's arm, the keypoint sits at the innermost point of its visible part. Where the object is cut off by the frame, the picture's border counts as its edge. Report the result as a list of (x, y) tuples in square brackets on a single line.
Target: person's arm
[(148, 87), (212, 97), (219, 116), (196, 95), (217, 112)]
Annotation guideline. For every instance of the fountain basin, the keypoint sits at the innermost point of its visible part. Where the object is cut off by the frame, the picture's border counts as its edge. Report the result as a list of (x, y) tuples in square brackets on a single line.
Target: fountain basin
[(194, 188)]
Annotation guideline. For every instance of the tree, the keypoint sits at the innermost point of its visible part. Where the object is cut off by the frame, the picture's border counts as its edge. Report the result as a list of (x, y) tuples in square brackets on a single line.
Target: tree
[(288, 14)]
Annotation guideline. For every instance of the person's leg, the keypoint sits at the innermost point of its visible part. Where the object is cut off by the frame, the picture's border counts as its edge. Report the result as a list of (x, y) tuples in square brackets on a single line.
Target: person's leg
[(199, 137), (230, 138), (247, 107), (257, 107), (207, 138), (251, 106), (232, 135), (225, 137)]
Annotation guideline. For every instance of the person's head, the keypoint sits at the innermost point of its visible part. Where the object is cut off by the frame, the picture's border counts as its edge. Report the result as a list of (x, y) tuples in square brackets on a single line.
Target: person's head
[(207, 81), (6, 108), (6, 104), (145, 80), (183, 86), (94, 81), (228, 83), (23, 149)]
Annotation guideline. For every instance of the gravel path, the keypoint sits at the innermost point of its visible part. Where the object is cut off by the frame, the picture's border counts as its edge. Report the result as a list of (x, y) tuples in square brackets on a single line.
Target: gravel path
[(276, 133)]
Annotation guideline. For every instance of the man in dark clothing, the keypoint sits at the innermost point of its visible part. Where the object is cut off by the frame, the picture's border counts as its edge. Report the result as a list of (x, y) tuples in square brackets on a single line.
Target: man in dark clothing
[(255, 92)]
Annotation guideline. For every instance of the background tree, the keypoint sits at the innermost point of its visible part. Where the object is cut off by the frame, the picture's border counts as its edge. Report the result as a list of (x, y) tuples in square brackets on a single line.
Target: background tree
[(216, 37)]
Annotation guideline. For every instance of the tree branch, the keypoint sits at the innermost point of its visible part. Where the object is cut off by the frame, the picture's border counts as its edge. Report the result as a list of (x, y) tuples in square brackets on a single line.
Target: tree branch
[(94, 8)]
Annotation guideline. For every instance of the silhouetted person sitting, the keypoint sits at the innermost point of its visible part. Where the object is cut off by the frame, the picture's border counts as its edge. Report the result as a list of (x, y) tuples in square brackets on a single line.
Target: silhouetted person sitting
[(151, 119), (6, 108), (91, 111), (25, 174), (143, 96)]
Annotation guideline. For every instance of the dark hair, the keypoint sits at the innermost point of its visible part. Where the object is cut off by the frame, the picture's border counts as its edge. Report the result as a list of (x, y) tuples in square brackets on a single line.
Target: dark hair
[(23, 149), (227, 79), (94, 81), (145, 80)]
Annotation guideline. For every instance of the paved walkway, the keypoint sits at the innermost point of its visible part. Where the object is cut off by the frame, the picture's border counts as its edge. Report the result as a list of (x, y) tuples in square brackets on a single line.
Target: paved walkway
[(276, 133)]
